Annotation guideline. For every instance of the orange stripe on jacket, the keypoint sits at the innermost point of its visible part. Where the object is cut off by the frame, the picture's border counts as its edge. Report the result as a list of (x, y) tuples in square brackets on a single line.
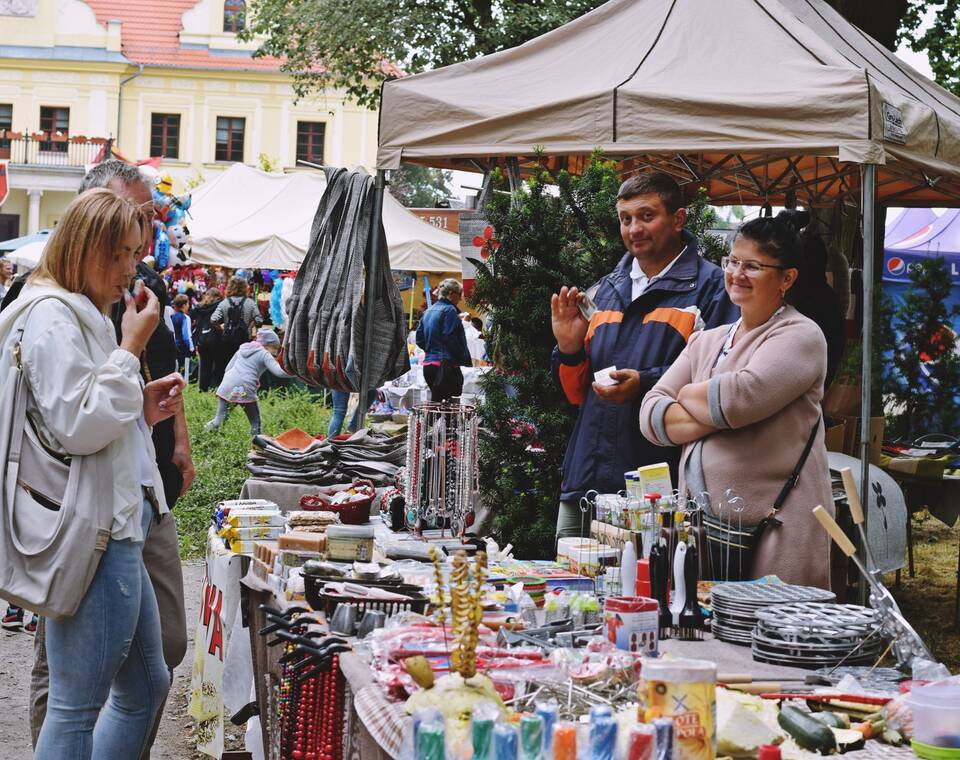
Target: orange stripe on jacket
[(681, 321), (603, 318), (574, 379)]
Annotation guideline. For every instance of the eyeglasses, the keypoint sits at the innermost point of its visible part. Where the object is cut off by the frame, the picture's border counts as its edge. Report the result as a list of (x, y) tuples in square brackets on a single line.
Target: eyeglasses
[(749, 267)]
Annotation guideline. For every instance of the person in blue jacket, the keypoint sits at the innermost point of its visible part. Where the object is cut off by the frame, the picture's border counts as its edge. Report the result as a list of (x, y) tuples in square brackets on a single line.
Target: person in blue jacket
[(645, 311), (440, 334)]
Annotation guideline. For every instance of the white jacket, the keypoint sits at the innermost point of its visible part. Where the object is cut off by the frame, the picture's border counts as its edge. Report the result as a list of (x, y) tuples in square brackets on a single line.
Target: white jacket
[(86, 398)]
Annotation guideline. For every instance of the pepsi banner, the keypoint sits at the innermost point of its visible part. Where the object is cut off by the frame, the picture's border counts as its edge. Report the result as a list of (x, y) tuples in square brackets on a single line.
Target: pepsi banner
[(897, 265)]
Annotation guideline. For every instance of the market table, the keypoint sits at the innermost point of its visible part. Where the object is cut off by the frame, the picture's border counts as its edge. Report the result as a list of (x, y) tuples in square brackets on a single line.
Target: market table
[(374, 726)]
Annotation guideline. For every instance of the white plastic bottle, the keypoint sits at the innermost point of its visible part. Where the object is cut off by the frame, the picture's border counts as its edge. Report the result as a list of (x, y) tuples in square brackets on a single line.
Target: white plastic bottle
[(628, 569)]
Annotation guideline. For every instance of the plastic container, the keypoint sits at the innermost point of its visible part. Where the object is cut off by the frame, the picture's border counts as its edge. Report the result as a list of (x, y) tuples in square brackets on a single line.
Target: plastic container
[(628, 570), (684, 690), (349, 543), (936, 714)]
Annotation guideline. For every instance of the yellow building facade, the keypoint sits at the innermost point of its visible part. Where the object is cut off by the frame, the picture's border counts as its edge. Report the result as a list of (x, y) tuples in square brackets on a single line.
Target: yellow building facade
[(155, 79)]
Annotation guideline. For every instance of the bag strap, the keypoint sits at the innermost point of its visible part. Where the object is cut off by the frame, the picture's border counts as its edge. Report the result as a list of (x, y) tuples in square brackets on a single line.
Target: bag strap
[(795, 475), (11, 467)]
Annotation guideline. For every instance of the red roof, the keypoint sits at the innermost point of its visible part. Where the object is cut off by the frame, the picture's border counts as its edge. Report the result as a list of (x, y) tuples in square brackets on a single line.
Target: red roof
[(150, 35)]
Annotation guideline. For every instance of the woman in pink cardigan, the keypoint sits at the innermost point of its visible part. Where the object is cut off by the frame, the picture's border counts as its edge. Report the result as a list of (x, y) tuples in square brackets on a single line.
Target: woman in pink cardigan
[(744, 400)]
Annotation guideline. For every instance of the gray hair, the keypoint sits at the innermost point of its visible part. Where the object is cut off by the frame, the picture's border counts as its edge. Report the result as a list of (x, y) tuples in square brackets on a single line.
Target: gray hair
[(101, 175), (448, 287)]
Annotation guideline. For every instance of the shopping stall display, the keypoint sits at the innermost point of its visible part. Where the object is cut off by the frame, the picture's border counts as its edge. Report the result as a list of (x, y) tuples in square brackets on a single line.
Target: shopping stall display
[(616, 649), (413, 640)]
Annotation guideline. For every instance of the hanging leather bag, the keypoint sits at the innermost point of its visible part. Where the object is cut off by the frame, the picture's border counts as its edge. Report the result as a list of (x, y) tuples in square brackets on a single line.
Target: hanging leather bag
[(50, 542)]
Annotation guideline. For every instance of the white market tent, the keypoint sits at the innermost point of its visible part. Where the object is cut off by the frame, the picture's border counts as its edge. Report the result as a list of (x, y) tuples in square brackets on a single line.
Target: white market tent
[(759, 101), (27, 256), (248, 218)]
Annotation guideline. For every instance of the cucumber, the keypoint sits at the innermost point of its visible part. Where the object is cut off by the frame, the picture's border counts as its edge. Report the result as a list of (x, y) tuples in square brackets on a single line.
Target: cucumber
[(831, 719), (848, 740), (808, 733)]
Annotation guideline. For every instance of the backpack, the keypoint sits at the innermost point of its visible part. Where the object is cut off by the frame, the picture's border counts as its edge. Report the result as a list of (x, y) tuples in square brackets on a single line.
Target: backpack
[(205, 335), (235, 329)]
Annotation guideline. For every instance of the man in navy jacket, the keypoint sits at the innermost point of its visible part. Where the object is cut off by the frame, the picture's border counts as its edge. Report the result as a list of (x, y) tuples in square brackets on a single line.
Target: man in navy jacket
[(646, 309), (440, 334)]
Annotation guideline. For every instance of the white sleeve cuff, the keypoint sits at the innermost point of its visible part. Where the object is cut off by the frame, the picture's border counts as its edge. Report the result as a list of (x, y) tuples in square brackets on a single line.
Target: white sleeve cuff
[(127, 362)]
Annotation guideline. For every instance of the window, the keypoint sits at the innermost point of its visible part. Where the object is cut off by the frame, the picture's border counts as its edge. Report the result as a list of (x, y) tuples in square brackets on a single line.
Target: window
[(53, 120), (310, 141), (230, 138), (165, 135), (6, 122), (233, 15)]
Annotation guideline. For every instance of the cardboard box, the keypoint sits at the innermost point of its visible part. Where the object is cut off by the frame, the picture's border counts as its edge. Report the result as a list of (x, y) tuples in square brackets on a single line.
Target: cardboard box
[(833, 437), (851, 437), (610, 535)]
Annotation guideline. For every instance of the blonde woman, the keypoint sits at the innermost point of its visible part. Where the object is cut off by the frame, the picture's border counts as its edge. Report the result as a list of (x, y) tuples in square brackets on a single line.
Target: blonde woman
[(107, 673)]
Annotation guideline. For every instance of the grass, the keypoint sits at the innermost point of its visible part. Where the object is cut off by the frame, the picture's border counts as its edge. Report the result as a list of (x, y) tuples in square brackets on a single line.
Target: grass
[(220, 456), (928, 600)]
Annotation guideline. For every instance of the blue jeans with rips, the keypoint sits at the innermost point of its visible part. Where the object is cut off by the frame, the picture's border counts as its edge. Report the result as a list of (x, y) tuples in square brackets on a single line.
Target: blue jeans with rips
[(107, 673)]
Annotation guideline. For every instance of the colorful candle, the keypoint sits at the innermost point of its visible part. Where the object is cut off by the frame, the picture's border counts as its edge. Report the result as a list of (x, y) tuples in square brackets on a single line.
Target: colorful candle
[(481, 730), (531, 737), (664, 740), (430, 741), (505, 741), (564, 741), (548, 712), (603, 737), (642, 743)]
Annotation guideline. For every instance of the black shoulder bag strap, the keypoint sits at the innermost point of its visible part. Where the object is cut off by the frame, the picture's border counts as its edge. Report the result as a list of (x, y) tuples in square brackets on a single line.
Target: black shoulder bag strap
[(795, 475)]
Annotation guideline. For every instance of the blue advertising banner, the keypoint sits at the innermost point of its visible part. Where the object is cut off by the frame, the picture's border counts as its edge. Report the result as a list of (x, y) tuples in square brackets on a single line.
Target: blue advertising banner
[(905, 250)]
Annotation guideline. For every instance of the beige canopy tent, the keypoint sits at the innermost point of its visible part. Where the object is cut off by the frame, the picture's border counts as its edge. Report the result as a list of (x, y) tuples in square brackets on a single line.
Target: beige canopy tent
[(753, 99), (759, 101), (248, 218)]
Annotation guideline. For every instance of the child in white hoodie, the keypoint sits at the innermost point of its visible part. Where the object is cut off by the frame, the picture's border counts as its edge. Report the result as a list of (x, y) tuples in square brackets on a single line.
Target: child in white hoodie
[(241, 379)]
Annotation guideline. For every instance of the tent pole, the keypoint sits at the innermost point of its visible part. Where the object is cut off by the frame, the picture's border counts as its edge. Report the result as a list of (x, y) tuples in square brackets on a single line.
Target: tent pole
[(370, 294), (869, 229)]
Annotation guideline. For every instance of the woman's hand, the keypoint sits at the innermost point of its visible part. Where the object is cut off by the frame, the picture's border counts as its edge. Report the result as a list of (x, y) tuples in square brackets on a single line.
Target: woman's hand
[(163, 398), (682, 427), (569, 326), (694, 398), (136, 327)]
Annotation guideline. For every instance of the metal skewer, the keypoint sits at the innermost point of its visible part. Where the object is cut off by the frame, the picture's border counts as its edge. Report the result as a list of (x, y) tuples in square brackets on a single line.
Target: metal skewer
[(907, 644)]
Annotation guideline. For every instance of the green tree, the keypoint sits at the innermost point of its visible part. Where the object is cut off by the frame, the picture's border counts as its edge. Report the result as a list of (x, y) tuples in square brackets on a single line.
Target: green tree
[(546, 239), (355, 45), (701, 216), (941, 42), (926, 368), (419, 187)]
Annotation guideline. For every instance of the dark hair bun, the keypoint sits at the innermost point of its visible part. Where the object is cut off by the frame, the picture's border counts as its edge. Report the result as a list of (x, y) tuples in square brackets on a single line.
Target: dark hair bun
[(796, 218), (776, 237)]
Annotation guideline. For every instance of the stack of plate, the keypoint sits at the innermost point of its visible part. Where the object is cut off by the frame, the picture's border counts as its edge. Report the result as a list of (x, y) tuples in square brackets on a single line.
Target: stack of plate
[(805, 635), (735, 605)]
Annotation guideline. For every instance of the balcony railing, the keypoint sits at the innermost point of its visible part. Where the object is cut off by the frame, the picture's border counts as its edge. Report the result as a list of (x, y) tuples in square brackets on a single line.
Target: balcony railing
[(52, 148)]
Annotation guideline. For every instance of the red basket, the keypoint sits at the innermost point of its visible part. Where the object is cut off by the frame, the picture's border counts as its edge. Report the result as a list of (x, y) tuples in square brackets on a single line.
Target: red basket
[(354, 512)]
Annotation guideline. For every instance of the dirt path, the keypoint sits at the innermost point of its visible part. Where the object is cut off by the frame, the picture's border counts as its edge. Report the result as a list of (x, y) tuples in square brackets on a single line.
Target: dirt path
[(175, 741)]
